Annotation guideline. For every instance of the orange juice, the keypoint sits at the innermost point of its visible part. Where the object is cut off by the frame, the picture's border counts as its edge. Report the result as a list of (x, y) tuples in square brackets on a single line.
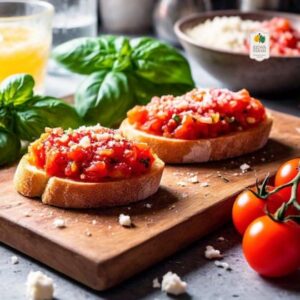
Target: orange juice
[(23, 49)]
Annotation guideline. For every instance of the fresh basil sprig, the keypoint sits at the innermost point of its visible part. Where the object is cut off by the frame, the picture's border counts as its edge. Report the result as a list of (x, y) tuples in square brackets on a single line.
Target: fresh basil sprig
[(9, 146), (24, 116), (122, 72)]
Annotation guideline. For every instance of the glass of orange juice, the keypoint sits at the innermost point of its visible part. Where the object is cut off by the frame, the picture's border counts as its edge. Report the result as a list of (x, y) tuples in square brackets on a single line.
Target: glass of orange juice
[(25, 38)]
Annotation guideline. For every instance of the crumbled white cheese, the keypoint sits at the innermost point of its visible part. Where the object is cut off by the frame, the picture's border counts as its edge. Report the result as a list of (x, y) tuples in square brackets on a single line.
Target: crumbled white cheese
[(85, 142), (172, 284), (193, 179), (222, 264), (125, 220), (212, 253), (244, 167), (94, 222), (181, 183), (148, 205), (64, 138), (88, 233), (204, 184), (176, 173), (155, 283), (39, 286), (14, 260), (59, 223)]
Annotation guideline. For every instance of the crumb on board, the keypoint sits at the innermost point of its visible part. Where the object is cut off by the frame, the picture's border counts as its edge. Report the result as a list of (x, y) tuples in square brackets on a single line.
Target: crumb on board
[(204, 184), (88, 233), (124, 220), (194, 179), (94, 222), (59, 223), (181, 183), (245, 168), (212, 253)]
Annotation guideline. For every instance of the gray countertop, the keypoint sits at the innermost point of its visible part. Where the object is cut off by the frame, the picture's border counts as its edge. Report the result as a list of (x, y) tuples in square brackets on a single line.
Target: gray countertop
[(205, 280)]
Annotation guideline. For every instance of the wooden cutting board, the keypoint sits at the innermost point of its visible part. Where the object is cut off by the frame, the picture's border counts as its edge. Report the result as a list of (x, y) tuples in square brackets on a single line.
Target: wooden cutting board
[(95, 250)]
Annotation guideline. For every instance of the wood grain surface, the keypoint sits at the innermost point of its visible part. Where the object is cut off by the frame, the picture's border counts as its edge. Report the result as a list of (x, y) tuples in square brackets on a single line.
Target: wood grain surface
[(95, 250)]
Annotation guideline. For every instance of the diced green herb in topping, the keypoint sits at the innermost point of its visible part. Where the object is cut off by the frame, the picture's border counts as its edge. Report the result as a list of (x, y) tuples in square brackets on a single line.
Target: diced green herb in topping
[(176, 118), (145, 162)]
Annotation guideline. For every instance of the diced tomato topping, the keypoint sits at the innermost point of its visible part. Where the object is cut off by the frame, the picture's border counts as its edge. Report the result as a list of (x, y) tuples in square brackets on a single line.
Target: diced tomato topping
[(284, 37), (90, 154), (201, 113)]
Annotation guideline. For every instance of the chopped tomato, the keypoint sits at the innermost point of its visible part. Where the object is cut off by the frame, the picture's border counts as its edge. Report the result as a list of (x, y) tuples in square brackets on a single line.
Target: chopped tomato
[(198, 114), (284, 38), (90, 154)]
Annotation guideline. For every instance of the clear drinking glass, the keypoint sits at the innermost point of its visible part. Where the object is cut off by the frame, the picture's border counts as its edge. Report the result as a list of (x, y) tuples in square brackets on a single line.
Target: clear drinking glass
[(72, 19), (25, 38)]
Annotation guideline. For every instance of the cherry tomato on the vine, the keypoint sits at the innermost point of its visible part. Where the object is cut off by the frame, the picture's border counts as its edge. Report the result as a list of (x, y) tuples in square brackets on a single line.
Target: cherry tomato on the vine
[(286, 173), (271, 248), (248, 207)]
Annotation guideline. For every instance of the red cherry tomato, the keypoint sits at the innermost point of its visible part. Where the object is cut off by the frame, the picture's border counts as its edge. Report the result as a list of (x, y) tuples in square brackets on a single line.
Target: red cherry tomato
[(271, 248), (286, 173), (247, 207)]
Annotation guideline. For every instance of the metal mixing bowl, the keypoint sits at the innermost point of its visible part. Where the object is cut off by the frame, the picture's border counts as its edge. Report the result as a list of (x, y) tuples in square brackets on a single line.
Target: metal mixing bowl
[(277, 74)]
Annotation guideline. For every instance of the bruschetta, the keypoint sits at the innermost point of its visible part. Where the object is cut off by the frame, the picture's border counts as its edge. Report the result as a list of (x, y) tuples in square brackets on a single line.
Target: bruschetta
[(202, 125), (87, 168)]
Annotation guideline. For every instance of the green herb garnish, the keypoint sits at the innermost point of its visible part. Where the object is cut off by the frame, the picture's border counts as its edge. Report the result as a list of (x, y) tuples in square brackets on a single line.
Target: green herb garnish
[(122, 72), (24, 116), (176, 118)]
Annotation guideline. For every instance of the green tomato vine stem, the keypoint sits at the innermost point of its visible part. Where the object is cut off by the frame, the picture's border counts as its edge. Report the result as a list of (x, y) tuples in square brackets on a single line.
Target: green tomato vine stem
[(280, 214)]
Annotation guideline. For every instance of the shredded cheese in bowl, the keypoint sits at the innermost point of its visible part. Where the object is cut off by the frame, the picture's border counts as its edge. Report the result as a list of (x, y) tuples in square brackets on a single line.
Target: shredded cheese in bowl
[(232, 33), (227, 33)]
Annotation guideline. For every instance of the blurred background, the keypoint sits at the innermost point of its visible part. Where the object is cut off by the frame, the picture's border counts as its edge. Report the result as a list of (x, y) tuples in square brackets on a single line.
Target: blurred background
[(156, 18), (76, 18)]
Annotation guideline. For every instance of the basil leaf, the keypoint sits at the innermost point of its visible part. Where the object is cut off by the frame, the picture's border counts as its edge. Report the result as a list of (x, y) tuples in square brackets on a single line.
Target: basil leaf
[(31, 119), (159, 62), (9, 146), (144, 89), (88, 55), (16, 89), (104, 97)]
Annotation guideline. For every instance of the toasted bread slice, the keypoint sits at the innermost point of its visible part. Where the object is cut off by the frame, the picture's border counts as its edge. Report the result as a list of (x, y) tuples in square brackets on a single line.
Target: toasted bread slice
[(190, 151), (33, 182)]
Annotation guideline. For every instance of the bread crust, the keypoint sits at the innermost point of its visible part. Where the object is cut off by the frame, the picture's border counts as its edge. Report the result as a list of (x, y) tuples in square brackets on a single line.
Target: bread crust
[(191, 151), (33, 182)]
